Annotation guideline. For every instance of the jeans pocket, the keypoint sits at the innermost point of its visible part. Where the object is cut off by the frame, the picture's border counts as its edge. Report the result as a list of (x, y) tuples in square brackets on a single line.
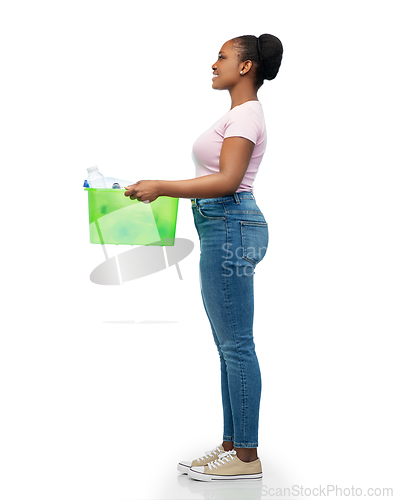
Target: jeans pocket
[(254, 240), (212, 211)]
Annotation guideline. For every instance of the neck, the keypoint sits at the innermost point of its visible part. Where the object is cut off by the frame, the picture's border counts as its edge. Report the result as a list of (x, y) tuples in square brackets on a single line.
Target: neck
[(239, 96)]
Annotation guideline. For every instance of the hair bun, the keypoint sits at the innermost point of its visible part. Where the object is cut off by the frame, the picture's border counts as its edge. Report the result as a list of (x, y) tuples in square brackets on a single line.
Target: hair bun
[(271, 50)]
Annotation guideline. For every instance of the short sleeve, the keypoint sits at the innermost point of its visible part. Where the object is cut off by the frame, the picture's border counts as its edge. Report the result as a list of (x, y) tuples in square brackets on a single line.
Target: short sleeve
[(243, 121)]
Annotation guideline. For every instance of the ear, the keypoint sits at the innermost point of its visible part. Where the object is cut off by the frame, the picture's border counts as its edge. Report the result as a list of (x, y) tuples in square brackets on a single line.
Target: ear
[(245, 67)]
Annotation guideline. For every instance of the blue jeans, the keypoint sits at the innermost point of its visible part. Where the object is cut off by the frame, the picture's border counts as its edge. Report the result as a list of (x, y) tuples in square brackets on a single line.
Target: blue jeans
[(233, 237)]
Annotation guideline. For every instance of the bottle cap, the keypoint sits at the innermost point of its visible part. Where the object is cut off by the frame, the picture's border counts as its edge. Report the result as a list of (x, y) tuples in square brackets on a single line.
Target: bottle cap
[(92, 169), (86, 184)]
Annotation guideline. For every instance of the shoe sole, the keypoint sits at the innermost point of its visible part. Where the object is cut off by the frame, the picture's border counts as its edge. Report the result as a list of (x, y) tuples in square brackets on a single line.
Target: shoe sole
[(201, 476), (183, 468)]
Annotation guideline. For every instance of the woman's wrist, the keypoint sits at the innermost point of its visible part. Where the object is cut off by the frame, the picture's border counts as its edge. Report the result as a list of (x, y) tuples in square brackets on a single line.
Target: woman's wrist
[(161, 188)]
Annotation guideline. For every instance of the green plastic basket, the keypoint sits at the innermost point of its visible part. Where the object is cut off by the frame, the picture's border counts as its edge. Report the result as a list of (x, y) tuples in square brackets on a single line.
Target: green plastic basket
[(115, 219)]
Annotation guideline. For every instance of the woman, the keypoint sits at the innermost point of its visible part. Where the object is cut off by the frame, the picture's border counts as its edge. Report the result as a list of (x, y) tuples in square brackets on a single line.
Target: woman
[(233, 240)]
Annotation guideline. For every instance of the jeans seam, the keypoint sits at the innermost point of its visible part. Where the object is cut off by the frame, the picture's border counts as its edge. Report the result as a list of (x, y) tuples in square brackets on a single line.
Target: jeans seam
[(241, 367), (245, 445), (225, 284)]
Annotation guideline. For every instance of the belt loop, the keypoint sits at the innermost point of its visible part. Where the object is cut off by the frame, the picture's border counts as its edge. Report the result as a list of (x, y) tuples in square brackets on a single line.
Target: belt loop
[(236, 198)]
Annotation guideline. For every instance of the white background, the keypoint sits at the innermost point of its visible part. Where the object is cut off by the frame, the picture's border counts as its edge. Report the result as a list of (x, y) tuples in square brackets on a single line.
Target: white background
[(97, 406)]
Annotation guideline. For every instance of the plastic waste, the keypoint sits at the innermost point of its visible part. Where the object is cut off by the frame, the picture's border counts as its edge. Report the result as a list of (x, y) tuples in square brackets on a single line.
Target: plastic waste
[(95, 178), (110, 181)]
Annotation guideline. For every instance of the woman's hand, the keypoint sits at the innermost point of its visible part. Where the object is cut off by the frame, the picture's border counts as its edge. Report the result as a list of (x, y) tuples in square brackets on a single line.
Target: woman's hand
[(143, 191)]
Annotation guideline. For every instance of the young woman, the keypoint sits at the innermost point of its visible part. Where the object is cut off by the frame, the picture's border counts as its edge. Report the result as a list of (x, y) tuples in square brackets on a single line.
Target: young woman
[(233, 237)]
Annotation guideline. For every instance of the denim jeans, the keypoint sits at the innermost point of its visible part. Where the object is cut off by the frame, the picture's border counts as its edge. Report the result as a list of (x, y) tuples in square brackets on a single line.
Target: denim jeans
[(233, 237)]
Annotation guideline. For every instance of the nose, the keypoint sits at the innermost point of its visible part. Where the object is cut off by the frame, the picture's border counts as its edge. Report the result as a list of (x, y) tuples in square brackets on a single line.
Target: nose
[(214, 65)]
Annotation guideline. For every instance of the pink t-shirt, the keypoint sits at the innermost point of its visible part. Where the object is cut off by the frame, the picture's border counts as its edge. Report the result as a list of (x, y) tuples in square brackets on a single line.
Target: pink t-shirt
[(245, 120)]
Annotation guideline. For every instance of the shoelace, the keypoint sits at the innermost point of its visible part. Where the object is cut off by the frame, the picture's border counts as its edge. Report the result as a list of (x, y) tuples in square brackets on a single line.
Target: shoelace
[(210, 454), (223, 459)]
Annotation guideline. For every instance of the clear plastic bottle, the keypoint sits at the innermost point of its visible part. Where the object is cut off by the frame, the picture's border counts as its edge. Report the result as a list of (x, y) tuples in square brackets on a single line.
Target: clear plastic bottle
[(95, 178)]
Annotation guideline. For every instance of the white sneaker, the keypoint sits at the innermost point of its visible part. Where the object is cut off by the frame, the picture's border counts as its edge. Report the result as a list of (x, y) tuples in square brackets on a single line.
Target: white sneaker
[(227, 467), (184, 465)]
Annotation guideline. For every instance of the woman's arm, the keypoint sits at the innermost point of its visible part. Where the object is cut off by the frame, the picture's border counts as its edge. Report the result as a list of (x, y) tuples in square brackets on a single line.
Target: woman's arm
[(234, 160)]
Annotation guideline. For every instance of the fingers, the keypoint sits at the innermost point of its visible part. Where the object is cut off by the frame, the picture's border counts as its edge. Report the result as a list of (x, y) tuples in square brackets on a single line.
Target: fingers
[(140, 191), (130, 191), (133, 194)]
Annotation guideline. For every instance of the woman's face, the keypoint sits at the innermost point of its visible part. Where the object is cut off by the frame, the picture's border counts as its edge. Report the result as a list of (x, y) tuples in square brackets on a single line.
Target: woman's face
[(226, 69)]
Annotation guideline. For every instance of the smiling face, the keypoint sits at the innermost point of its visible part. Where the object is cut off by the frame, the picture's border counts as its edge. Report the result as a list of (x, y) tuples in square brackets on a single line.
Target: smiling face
[(227, 68)]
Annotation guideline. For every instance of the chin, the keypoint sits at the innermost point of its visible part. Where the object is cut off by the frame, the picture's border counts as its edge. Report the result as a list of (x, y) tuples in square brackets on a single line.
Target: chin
[(216, 87)]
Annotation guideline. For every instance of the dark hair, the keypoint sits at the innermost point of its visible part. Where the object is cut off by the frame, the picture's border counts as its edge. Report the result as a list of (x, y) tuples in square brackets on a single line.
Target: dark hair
[(265, 51)]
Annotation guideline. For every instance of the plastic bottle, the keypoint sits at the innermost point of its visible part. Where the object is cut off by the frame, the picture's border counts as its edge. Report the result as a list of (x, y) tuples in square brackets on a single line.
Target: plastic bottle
[(95, 178), (110, 181)]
